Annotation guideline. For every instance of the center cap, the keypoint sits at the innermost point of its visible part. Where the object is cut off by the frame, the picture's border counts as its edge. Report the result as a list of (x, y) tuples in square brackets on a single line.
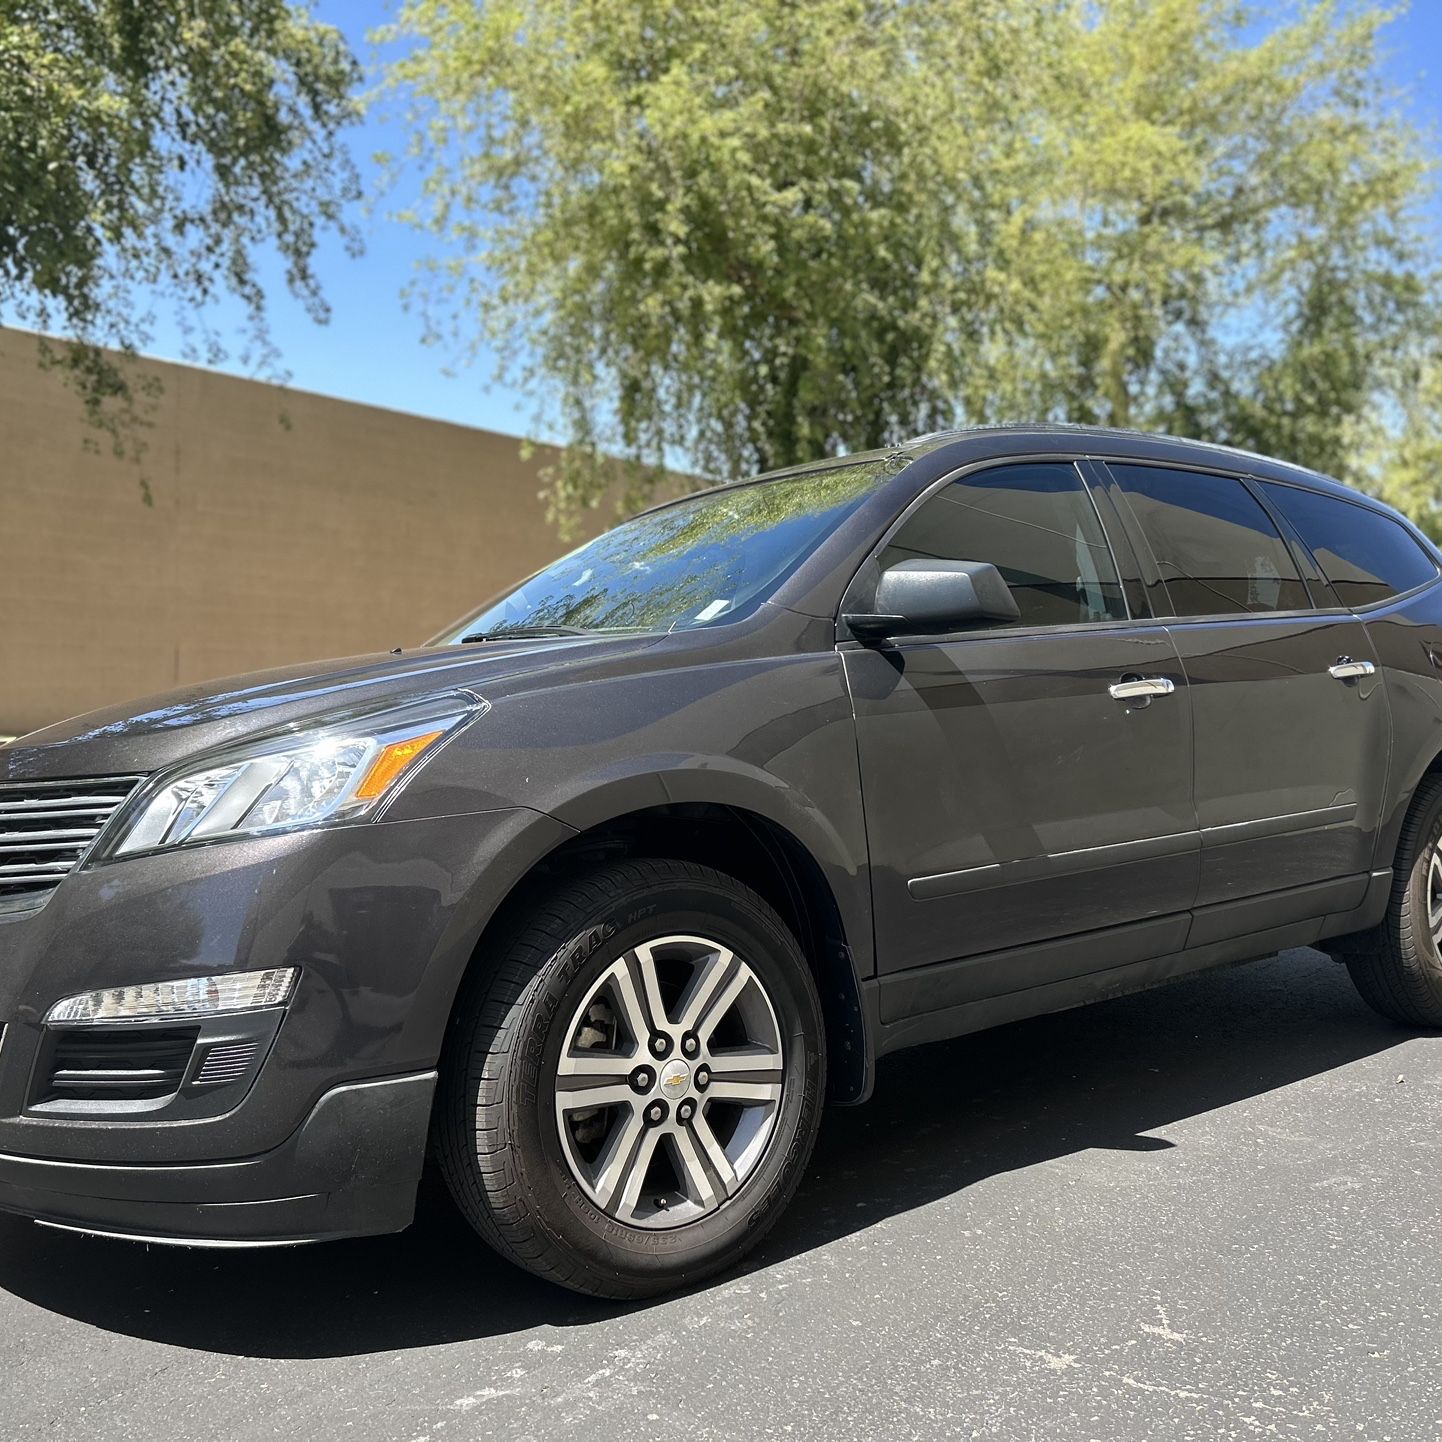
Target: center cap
[(675, 1079)]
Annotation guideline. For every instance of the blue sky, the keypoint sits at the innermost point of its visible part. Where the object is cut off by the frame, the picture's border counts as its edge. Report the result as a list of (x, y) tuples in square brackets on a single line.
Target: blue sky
[(372, 349)]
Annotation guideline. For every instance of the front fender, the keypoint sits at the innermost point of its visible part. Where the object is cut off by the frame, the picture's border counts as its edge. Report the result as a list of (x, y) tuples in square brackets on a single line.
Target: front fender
[(772, 736)]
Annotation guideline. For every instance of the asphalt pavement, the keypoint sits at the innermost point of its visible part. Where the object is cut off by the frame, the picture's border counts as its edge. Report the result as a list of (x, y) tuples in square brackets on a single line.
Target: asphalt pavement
[(1210, 1211)]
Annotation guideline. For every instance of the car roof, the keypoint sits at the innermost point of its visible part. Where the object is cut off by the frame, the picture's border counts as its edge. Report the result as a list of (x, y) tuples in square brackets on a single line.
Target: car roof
[(1119, 442), (965, 444)]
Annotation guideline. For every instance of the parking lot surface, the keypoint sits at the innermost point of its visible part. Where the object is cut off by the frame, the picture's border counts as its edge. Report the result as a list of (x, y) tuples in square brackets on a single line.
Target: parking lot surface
[(1210, 1211)]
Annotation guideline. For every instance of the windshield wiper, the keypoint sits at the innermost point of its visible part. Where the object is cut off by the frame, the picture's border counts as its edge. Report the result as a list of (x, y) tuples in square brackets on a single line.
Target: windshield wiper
[(522, 633)]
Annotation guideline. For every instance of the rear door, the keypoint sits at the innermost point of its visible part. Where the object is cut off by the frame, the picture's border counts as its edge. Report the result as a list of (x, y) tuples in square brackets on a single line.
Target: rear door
[(1011, 798), (1290, 719)]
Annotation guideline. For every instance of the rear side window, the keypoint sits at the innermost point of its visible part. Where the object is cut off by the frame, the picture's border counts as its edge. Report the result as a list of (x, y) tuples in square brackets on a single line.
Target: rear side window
[(1216, 547), (1037, 525), (1367, 556)]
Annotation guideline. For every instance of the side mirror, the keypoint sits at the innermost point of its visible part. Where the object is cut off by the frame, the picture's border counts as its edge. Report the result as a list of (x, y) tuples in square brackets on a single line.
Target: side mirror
[(919, 596)]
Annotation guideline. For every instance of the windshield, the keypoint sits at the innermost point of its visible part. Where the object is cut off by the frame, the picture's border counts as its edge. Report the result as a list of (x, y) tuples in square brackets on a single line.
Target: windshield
[(697, 563)]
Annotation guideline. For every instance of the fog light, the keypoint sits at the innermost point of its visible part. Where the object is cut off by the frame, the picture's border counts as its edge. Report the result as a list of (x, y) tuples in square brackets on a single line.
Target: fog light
[(194, 996)]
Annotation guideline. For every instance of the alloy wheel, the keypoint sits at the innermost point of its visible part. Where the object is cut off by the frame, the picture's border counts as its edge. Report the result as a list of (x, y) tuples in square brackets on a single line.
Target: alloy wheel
[(1434, 893), (669, 1082)]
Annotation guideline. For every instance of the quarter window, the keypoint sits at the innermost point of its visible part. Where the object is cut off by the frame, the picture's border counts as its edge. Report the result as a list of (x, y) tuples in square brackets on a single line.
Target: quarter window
[(1036, 524), (1368, 557), (1215, 546)]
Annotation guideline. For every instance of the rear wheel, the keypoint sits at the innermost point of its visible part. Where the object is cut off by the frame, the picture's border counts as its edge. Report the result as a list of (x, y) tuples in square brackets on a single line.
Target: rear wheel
[(632, 1090), (1398, 967)]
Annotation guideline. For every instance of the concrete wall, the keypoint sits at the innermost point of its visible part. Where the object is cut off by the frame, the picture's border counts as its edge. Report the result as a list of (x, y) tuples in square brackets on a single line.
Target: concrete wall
[(350, 529)]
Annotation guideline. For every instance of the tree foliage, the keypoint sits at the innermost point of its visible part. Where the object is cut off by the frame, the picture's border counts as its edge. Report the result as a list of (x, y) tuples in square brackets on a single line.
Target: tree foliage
[(1402, 453), (152, 148), (742, 233)]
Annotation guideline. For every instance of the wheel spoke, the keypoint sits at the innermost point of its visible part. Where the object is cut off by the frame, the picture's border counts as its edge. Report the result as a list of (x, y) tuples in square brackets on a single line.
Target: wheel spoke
[(583, 1067), (584, 1098), (745, 1059), (716, 1156), (644, 960), (696, 1180), (617, 1160), (636, 1170), (628, 1001), (748, 1093), (723, 1003), (710, 977)]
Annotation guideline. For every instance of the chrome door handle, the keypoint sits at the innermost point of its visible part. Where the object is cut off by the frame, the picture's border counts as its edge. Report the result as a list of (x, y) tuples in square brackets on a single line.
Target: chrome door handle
[(1142, 687), (1346, 668)]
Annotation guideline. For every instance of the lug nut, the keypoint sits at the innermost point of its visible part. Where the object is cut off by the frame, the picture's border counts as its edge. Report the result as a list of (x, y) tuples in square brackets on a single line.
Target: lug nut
[(641, 1079), (689, 1044), (702, 1078), (660, 1045), (686, 1111), (656, 1113)]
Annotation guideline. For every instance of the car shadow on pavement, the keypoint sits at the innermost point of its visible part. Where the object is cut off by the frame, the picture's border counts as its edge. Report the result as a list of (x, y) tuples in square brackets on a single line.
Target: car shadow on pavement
[(942, 1118)]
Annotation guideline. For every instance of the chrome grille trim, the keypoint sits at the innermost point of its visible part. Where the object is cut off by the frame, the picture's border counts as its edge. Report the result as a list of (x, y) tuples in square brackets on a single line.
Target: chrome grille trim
[(47, 829), (46, 803), (227, 1063)]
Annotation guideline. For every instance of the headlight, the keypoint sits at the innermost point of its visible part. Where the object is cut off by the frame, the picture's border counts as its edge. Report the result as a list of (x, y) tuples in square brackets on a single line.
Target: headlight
[(338, 772)]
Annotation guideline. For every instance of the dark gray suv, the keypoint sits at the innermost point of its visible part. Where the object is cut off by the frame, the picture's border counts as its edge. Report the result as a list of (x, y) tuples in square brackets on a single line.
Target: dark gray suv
[(596, 899)]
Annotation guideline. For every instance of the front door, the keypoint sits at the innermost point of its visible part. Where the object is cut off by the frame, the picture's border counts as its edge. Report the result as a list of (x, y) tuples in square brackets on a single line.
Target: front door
[(1016, 789)]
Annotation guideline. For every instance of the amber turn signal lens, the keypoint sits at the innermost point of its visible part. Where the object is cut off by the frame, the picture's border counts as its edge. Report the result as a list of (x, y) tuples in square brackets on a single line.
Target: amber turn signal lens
[(391, 761)]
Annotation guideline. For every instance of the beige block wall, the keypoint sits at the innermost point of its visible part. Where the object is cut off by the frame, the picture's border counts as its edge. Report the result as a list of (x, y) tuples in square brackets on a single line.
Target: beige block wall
[(351, 529)]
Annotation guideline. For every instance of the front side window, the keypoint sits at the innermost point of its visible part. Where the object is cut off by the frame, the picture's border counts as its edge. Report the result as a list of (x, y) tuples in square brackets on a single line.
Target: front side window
[(1037, 525), (1368, 557), (700, 562), (1215, 545)]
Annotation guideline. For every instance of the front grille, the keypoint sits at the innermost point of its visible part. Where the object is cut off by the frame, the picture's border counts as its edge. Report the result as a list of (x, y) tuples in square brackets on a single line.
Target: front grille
[(127, 1064), (46, 827)]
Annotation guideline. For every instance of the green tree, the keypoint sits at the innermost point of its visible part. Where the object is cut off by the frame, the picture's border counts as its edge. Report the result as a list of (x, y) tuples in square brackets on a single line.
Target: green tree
[(1401, 449), (1232, 231), (744, 233), (741, 233), (149, 149)]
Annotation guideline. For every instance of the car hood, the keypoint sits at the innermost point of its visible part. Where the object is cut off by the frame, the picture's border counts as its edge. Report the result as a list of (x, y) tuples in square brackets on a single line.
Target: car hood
[(160, 731)]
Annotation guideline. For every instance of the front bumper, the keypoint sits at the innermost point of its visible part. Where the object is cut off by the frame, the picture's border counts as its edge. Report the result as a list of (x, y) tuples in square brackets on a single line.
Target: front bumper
[(351, 1169), (325, 1134)]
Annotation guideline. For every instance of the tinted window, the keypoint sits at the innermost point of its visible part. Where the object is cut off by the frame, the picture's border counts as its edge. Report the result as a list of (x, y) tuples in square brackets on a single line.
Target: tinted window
[(1036, 524), (1365, 555), (1216, 547), (700, 562)]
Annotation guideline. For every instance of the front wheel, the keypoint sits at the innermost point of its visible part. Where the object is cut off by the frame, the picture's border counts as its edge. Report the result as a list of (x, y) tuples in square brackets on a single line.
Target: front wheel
[(633, 1085)]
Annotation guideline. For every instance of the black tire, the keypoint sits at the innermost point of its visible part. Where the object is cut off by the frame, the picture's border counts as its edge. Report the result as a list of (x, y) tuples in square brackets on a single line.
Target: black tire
[(496, 1137), (1397, 967)]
